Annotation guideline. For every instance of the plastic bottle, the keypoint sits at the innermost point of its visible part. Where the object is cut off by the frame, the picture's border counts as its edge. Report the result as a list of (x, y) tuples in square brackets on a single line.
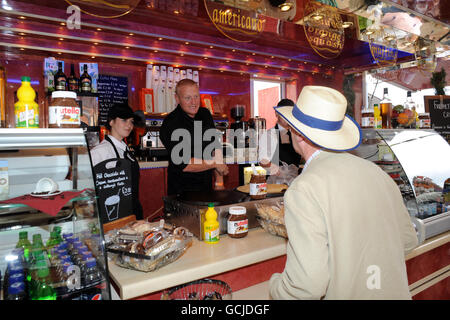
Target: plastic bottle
[(376, 117), (16, 291), (211, 225), (37, 242), (26, 109), (44, 290), (92, 275), (24, 243)]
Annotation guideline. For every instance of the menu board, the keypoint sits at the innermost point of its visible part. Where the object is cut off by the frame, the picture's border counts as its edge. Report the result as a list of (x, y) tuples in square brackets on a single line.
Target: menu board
[(113, 183), (111, 90), (439, 109)]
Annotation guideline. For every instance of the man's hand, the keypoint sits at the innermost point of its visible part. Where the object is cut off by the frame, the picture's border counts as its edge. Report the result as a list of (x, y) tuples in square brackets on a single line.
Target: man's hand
[(222, 169)]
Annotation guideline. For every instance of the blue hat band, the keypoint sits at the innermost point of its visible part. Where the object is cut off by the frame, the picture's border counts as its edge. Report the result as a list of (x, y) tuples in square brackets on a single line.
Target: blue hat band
[(316, 122)]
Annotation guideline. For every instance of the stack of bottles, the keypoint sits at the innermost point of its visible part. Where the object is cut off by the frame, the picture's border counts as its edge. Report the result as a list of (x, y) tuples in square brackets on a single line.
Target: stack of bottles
[(62, 269)]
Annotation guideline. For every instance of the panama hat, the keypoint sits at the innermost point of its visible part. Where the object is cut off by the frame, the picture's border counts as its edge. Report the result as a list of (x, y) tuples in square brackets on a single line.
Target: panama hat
[(319, 115)]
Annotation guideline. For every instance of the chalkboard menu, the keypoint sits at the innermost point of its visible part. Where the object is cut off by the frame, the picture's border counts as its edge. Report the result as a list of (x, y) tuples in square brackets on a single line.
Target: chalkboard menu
[(111, 90), (439, 109), (112, 179)]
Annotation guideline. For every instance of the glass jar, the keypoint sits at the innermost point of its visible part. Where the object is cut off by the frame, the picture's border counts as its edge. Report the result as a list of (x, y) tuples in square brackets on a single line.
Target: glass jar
[(367, 118), (258, 186), (64, 111), (424, 121), (237, 225)]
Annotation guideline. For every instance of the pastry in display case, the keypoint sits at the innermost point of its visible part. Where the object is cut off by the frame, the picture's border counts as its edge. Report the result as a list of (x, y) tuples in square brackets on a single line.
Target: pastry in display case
[(52, 245), (418, 161)]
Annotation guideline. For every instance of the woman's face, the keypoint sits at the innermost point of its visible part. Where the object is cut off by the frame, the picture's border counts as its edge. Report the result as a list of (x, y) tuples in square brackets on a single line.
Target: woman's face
[(121, 128)]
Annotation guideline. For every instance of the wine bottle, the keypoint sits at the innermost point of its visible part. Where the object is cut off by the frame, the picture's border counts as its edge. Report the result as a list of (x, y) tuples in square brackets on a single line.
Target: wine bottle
[(60, 79), (85, 80), (73, 81)]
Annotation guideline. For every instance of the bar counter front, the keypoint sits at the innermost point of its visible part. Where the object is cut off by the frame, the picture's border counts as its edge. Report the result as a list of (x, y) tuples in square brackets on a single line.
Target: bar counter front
[(250, 261)]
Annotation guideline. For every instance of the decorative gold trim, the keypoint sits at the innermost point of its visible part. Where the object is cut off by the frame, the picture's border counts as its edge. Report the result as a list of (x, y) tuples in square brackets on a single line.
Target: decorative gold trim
[(106, 3)]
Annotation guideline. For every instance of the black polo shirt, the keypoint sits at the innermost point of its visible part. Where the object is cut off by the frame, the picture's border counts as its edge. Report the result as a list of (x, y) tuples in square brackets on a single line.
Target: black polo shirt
[(177, 180)]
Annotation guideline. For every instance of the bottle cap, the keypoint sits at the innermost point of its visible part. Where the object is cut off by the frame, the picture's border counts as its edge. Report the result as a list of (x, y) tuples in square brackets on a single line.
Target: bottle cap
[(211, 205), (64, 94), (26, 79), (237, 210), (23, 234)]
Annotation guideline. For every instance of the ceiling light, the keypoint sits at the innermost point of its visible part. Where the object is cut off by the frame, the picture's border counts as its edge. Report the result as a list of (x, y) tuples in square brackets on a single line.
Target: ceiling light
[(22, 49), (347, 24), (160, 39), (285, 6), (131, 34), (127, 47), (93, 57), (61, 39), (389, 38), (186, 42), (176, 11), (22, 34), (99, 29), (63, 23), (22, 17), (123, 60), (369, 31)]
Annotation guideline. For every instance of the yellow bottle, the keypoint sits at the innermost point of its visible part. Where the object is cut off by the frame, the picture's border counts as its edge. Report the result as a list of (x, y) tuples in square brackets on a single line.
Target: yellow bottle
[(376, 117), (211, 225), (26, 109)]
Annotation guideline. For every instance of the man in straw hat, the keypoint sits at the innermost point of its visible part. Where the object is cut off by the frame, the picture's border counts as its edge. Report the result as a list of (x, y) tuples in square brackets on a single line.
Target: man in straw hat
[(347, 225)]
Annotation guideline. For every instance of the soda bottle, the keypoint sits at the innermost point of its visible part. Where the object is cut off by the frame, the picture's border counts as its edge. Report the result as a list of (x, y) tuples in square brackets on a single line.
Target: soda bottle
[(24, 243), (91, 275), (58, 231), (16, 291), (38, 244), (44, 289)]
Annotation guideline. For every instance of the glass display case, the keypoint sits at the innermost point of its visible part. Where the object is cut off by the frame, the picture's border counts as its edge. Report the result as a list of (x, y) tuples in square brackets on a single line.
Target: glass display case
[(419, 162), (51, 241)]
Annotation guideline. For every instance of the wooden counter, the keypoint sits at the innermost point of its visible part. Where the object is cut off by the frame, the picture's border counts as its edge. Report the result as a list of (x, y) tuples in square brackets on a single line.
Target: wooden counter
[(232, 256)]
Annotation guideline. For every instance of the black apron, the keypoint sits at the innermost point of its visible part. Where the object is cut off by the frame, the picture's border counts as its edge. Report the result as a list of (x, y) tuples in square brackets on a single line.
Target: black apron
[(287, 152), (135, 176)]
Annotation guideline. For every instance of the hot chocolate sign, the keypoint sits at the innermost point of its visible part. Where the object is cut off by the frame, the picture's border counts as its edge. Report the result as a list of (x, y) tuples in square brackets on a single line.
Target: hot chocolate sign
[(235, 23), (323, 29)]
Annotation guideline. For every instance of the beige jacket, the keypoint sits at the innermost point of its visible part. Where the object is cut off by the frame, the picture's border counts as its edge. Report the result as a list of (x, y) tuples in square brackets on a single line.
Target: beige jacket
[(348, 233)]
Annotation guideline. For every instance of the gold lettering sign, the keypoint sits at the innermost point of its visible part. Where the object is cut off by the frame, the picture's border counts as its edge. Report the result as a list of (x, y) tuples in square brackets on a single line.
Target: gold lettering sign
[(323, 29), (384, 55), (105, 8), (236, 24)]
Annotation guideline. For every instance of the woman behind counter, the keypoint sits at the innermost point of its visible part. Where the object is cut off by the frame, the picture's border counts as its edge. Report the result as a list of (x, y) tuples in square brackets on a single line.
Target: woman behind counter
[(120, 123)]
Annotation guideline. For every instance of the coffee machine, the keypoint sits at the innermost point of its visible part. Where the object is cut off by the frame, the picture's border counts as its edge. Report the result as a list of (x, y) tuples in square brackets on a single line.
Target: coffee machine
[(151, 147), (239, 127)]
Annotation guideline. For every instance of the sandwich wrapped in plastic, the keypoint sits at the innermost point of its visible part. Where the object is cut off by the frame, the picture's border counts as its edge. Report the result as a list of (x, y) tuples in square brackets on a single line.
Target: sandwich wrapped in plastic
[(147, 246), (271, 218)]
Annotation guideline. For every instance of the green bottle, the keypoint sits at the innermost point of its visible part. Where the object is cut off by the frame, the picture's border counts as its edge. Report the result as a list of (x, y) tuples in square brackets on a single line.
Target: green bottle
[(24, 243), (44, 289), (37, 242), (58, 237)]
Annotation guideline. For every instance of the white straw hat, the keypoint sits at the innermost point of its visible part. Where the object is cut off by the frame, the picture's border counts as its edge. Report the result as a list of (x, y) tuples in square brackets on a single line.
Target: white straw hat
[(319, 115)]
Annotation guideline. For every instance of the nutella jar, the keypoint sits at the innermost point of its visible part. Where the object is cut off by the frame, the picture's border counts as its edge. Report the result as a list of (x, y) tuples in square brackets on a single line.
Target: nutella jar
[(367, 118), (237, 226), (424, 121), (258, 186), (63, 111)]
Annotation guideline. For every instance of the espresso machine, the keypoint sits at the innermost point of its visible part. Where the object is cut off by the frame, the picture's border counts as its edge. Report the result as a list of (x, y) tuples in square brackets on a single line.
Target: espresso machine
[(151, 147), (239, 138)]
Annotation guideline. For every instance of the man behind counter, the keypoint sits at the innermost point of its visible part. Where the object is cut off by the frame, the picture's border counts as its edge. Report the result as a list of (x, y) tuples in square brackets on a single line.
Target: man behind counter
[(194, 171)]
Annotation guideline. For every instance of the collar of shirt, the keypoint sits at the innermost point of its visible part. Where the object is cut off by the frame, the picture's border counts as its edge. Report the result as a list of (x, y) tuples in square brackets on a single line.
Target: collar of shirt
[(315, 154), (120, 145)]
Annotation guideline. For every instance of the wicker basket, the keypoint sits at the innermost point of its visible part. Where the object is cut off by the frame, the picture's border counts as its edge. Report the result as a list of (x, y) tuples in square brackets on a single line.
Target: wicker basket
[(273, 227), (205, 289)]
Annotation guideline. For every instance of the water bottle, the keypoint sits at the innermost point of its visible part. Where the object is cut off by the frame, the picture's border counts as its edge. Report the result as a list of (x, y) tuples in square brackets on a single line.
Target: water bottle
[(91, 275), (16, 291)]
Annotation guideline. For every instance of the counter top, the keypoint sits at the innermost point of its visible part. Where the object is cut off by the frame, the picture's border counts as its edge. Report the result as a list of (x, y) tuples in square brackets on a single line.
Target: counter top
[(429, 244), (203, 260), (199, 261), (153, 164)]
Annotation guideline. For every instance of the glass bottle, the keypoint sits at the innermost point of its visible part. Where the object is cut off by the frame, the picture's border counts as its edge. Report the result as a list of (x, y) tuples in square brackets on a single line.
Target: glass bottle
[(60, 79), (85, 80), (386, 110), (73, 80), (411, 106)]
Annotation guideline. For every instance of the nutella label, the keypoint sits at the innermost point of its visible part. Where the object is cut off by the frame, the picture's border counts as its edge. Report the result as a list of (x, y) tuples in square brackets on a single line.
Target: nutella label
[(64, 115), (425, 123), (257, 189), (237, 227)]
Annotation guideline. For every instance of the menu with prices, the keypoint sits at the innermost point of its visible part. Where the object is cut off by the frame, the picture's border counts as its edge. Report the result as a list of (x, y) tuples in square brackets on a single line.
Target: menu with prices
[(111, 90)]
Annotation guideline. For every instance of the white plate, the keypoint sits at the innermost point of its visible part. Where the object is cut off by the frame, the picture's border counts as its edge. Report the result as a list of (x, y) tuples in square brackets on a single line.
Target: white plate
[(45, 195)]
